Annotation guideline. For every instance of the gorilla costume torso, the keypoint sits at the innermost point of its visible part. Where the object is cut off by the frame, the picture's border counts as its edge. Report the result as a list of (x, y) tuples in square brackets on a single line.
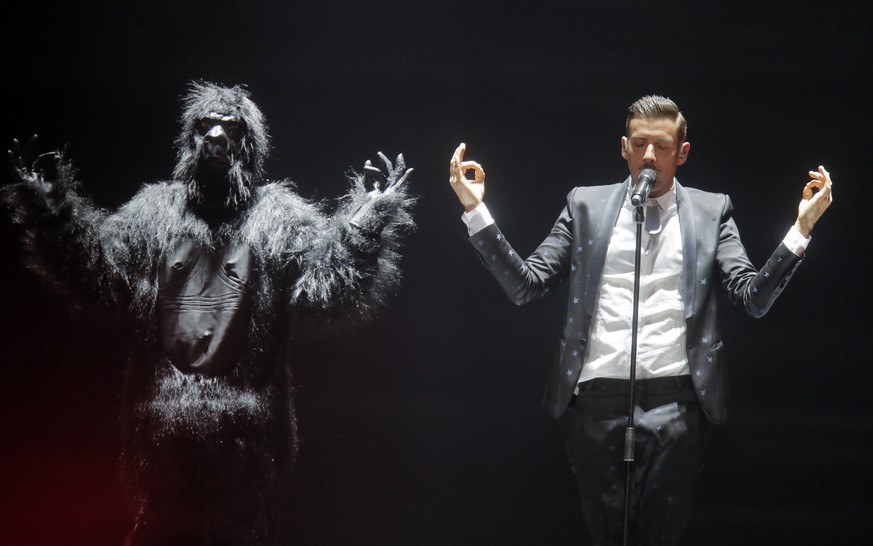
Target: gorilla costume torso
[(209, 428)]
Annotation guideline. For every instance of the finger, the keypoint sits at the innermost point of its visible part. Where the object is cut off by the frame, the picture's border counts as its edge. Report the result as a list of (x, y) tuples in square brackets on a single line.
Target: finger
[(819, 197), (374, 171), (13, 154), (828, 187), (401, 181), (455, 170), (16, 166), (388, 165), (820, 174), (474, 166), (807, 189), (373, 175), (458, 171), (12, 162), (459, 152), (15, 158), (816, 175), (29, 146)]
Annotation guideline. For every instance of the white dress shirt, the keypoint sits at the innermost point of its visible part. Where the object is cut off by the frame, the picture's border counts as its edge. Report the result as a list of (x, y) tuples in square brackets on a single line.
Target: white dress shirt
[(661, 329)]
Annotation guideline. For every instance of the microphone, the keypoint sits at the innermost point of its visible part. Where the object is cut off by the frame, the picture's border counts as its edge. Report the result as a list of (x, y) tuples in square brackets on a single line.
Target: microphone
[(643, 187)]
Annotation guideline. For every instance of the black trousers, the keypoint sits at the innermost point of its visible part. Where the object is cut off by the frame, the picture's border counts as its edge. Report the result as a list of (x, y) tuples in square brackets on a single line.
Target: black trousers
[(669, 427)]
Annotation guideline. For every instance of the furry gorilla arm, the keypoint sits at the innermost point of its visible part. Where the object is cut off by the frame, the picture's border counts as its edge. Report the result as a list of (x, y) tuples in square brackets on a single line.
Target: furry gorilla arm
[(356, 276), (214, 267)]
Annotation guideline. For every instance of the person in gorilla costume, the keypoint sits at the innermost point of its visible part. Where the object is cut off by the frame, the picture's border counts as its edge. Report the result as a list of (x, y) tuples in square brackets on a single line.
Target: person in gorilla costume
[(215, 267)]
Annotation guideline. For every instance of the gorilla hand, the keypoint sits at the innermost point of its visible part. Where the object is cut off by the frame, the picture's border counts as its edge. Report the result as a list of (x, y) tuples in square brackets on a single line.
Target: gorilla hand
[(41, 172), (384, 184), (396, 174)]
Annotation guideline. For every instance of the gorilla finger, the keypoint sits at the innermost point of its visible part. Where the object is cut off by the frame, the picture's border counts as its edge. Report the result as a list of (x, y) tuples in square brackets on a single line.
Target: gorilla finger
[(388, 165), (29, 147), (398, 183), (403, 178), (373, 171)]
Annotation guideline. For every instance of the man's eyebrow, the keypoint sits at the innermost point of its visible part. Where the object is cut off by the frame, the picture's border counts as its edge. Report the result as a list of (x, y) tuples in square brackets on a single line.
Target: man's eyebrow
[(646, 139)]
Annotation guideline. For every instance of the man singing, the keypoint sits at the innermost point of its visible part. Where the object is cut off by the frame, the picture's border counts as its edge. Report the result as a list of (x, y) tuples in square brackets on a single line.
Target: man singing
[(689, 249)]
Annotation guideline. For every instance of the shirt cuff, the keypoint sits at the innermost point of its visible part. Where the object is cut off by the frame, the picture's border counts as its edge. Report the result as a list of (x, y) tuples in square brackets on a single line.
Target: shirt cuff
[(795, 241), (477, 219)]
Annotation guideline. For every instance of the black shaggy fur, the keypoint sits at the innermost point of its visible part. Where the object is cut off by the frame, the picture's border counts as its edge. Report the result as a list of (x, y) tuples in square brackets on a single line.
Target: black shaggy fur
[(206, 454)]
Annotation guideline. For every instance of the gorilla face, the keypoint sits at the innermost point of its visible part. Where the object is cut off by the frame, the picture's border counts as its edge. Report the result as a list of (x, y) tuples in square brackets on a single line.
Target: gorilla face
[(221, 147), (219, 138), (222, 136)]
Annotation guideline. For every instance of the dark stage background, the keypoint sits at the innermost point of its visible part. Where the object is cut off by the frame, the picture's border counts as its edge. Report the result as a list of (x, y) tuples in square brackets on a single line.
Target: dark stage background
[(425, 427)]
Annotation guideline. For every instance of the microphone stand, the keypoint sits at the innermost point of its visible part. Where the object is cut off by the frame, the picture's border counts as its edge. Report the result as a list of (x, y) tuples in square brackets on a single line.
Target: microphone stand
[(629, 433)]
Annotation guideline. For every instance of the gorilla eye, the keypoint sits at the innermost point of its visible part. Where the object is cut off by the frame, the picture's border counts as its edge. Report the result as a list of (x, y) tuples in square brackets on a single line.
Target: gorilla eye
[(232, 129), (235, 130), (203, 125)]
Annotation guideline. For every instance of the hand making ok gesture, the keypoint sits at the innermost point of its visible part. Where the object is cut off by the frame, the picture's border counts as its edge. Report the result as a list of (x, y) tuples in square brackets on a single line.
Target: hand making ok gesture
[(470, 192)]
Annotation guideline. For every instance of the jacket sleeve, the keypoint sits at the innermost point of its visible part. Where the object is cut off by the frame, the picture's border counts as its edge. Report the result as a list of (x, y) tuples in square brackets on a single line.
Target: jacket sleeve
[(525, 280), (756, 290)]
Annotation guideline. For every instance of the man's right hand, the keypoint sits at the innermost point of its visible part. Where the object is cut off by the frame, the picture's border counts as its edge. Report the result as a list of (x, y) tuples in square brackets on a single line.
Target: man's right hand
[(470, 192)]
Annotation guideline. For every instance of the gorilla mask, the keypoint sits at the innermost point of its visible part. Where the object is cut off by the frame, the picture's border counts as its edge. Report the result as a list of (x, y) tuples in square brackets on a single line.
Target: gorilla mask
[(222, 136), (221, 147)]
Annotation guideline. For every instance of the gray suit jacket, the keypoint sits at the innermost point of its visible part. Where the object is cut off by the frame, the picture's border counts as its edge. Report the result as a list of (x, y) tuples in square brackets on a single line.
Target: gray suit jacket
[(713, 257)]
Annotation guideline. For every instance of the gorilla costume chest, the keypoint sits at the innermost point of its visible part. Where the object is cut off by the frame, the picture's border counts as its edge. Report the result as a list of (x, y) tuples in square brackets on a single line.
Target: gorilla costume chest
[(204, 306)]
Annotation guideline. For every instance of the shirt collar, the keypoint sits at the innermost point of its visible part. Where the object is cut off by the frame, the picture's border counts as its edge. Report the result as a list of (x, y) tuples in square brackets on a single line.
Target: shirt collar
[(664, 201)]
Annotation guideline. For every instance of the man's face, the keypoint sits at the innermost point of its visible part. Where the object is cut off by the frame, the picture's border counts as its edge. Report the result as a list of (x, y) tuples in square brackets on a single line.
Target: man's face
[(654, 144)]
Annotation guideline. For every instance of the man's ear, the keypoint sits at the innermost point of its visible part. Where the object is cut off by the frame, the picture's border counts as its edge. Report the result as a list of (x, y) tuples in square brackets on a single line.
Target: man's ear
[(624, 147), (683, 152)]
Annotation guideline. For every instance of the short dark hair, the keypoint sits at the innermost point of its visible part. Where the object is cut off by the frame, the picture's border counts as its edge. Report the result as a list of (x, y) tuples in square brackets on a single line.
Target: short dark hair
[(656, 107)]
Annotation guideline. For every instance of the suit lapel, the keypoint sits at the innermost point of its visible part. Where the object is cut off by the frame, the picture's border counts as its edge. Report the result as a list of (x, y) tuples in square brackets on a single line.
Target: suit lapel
[(689, 247), (601, 240)]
